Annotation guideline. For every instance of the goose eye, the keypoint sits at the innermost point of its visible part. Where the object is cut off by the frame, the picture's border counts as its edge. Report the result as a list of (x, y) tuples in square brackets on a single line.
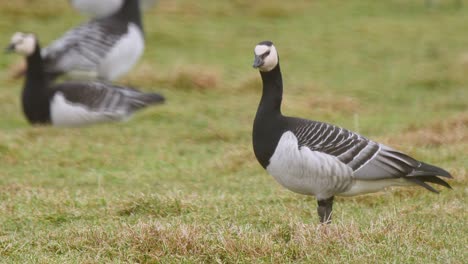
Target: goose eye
[(265, 54)]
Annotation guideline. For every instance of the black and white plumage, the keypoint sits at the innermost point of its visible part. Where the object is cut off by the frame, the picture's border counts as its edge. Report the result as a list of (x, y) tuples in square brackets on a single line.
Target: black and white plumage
[(72, 103), (105, 48), (323, 160)]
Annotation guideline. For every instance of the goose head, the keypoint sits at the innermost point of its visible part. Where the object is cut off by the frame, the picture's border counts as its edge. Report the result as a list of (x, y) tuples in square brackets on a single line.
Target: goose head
[(266, 56), (22, 43)]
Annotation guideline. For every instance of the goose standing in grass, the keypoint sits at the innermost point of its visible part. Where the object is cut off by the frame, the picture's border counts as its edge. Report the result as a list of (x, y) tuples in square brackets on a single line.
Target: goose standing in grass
[(105, 48), (320, 159), (72, 103)]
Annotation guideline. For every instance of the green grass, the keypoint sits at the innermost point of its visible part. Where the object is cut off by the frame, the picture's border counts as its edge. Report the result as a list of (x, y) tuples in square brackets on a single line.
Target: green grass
[(179, 183)]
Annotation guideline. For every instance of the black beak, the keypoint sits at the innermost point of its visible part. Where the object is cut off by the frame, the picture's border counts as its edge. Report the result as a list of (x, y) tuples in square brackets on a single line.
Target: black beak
[(258, 62), (10, 48)]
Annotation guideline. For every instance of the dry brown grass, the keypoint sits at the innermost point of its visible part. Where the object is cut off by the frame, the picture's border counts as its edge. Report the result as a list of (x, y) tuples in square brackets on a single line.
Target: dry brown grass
[(153, 240), (155, 206), (262, 8), (17, 70), (249, 84), (185, 77), (194, 78), (315, 104), (22, 8), (452, 131), (332, 103), (234, 160)]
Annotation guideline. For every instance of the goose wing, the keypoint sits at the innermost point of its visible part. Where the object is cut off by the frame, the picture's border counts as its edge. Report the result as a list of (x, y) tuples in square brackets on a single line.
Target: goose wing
[(105, 98), (84, 47), (369, 160)]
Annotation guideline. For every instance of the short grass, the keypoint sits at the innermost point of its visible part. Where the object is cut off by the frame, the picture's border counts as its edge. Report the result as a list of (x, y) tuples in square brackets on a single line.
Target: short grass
[(179, 183)]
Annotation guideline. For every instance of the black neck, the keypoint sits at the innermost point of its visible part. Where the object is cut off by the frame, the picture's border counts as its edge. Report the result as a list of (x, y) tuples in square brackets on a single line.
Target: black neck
[(35, 96), (35, 76), (272, 93), (130, 11), (269, 123)]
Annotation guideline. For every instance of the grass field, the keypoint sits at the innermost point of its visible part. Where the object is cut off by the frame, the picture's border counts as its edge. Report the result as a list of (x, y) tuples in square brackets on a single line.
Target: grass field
[(179, 183)]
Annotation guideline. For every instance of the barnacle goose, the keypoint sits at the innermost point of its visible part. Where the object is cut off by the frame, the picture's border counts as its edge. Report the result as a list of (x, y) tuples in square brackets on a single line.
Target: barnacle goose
[(320, 159), (72, 103), (105, 48), (102, 8)]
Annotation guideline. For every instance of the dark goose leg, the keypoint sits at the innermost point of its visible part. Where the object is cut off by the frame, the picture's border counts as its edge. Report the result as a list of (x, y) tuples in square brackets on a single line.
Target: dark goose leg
[(324, 210)]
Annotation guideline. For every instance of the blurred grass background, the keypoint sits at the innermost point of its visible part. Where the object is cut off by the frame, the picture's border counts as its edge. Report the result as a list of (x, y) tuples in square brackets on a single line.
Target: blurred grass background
[(180, 183)]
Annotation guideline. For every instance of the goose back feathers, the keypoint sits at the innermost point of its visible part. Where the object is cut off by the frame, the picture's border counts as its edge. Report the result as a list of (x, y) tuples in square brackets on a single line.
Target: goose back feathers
[(85, 103), (103, 47)]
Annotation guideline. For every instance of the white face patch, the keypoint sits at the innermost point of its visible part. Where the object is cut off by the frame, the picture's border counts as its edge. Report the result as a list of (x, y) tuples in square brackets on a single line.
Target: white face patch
[(24, 43), (269, 61), (261, 49)]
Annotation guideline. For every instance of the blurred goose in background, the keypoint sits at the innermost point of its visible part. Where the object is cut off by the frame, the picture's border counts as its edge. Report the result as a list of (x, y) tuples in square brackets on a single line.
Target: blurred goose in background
[(103, 48), (103, 8), (72, 103), (320, 159)]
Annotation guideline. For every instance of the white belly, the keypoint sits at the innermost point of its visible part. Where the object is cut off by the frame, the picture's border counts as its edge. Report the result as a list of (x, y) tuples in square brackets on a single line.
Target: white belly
[(308, 172), (363, 187), (124, 55), (66, 114)]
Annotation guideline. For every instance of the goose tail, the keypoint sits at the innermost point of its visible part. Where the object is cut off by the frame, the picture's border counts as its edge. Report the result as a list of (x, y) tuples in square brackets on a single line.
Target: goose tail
[(153, 98), (426, 173)]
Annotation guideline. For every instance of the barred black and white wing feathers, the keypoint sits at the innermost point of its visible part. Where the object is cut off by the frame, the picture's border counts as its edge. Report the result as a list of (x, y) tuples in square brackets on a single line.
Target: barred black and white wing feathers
[(83, 48), (83, 103), (105, 48), (350, 148), (369, 160), (105, 97)]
